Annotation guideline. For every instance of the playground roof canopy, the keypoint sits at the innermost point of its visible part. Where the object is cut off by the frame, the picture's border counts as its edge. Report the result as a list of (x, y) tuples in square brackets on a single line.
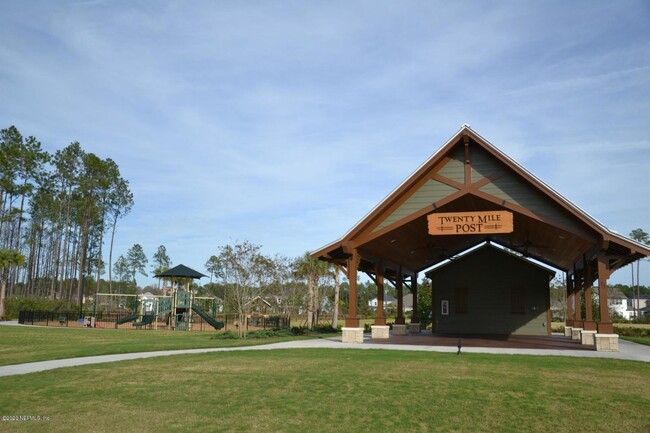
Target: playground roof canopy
[(180, 271)]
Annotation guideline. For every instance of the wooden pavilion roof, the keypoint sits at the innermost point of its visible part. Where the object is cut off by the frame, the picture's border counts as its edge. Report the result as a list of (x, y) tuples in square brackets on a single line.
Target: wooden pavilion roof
[(469, 174)]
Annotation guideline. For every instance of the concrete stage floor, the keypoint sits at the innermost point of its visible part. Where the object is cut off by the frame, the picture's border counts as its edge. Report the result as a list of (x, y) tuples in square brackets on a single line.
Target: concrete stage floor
[(426, 338)]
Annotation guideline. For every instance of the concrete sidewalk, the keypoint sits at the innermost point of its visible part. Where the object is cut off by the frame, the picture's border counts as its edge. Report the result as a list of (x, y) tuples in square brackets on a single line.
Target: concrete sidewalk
[(628, 351)]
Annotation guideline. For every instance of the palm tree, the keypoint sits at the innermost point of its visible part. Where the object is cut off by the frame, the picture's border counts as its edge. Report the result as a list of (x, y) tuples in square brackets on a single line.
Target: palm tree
[(312, 270), (8, 258), (640, 236)]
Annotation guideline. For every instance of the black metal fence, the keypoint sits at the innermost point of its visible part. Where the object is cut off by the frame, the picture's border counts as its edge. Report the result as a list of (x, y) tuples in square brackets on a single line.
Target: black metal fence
[(62, 318), (127, 320)]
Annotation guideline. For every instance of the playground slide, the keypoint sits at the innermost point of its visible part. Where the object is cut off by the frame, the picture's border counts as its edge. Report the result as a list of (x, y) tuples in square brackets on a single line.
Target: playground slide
[(205, 316), (146, 320), (127, 319)]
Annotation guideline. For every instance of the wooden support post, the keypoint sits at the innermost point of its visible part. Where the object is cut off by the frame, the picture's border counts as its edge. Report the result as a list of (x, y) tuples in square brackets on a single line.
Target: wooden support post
[(399, 285), (589, 324), (434, 308), (379, 272), (579, 284), (605, 325), (570, 299), (352, 320), (415, 318)]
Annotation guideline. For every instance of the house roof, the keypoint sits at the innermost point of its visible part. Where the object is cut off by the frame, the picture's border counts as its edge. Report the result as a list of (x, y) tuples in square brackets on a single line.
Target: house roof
[(615, 293), (468, 173), (259, 299), (387, 298)]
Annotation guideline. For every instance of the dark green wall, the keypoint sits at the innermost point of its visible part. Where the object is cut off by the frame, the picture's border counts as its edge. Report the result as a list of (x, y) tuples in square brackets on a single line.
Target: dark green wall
[(489, 275)]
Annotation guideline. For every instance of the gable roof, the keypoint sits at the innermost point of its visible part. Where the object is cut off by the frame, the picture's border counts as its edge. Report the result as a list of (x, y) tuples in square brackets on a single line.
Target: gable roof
[(491, 249), (470, 174), (615, 293)]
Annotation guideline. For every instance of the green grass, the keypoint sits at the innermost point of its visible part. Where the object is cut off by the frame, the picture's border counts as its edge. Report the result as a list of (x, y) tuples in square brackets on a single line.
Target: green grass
[(29, 344), (640, 340), (321, 390)]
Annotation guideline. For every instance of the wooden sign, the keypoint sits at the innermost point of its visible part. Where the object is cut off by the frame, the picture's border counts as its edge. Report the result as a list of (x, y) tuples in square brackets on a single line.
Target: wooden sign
[(470, 223)]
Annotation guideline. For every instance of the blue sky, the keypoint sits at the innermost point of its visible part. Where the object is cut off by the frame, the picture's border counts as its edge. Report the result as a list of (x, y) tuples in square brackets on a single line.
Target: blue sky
[(285, 122)]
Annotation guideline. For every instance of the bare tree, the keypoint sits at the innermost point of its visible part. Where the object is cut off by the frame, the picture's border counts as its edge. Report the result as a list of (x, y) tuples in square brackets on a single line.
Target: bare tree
[(244, 271)]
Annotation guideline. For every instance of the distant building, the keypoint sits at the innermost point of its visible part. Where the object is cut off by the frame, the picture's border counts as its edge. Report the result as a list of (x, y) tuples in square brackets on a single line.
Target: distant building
[(388, 300), (618, 303), (407, 302)]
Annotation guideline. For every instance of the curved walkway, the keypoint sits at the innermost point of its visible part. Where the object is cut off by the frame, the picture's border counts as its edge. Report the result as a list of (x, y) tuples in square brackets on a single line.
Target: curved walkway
[(628, 351)]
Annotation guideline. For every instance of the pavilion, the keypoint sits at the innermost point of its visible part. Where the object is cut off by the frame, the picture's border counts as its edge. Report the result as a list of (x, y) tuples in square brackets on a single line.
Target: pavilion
[(467, 194)]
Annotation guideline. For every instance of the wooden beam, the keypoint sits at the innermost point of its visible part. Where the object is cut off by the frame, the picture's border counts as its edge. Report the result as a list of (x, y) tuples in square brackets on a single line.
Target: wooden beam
[(468, 164), (523, 211)]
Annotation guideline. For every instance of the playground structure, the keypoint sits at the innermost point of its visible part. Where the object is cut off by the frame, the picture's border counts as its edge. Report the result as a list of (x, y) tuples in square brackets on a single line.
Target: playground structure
[(176, 311), (180, 310)]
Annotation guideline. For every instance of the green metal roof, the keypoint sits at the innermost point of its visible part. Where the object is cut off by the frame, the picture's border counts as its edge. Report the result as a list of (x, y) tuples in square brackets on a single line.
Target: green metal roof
[(180, 271)]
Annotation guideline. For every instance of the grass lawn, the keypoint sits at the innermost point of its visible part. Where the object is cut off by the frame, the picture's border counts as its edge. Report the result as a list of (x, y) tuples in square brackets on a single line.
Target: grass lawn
[(334, 390), (29, 344), (640, 340)]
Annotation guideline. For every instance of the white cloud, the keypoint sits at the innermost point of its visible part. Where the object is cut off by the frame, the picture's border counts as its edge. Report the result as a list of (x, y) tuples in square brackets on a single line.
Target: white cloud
[(285, 123)]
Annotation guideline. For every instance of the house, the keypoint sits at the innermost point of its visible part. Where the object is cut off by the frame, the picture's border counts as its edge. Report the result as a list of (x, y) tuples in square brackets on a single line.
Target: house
[(388, 300), (618, 303), (407, 302), (642, 303)]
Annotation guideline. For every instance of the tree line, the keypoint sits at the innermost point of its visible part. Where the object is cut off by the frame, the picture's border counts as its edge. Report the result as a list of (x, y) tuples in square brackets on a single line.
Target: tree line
[(59, 210), (303, 284), (56, 211)]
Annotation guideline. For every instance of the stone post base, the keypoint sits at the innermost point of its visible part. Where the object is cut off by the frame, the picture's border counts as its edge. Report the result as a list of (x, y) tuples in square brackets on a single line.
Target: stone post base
[(352, 335), (399, 329), (589, 337), (567, 331), (414, 328), (607, 342), (380, 331), (576, 333)]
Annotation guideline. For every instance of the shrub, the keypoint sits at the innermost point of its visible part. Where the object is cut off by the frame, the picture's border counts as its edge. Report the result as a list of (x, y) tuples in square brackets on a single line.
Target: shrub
[(267, 333), (298, 330), (226, 335), (15, 305), (325, 329), (632, 331)]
